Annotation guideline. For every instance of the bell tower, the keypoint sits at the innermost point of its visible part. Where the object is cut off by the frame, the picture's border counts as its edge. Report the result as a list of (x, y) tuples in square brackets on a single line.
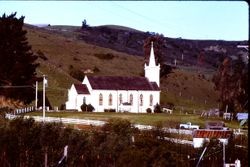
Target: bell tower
[(152, 71)]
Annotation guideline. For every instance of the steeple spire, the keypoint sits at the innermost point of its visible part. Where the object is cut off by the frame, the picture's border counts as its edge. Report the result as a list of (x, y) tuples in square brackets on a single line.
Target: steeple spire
[(152, 71), (152, 56)]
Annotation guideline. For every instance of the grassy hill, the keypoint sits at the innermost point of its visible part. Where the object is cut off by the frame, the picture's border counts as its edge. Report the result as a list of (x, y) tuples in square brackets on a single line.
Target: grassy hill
[(58, 52)]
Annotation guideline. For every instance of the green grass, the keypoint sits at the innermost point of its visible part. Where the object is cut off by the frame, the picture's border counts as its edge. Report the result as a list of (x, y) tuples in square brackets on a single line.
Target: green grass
[(165, 120)]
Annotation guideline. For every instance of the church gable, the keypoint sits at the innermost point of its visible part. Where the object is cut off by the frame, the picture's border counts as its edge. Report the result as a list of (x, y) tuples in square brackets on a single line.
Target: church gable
[(81, 89), (122, 83)]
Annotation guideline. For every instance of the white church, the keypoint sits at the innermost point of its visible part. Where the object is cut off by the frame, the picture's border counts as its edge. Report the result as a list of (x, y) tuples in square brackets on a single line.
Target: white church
[(123, 94)]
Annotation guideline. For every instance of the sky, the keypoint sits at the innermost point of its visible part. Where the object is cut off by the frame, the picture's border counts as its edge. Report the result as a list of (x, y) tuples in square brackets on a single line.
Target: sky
[(219, 20)]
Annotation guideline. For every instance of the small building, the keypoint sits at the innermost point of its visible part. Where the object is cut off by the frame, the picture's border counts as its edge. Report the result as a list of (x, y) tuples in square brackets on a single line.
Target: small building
[(215, 125), (202, 135)]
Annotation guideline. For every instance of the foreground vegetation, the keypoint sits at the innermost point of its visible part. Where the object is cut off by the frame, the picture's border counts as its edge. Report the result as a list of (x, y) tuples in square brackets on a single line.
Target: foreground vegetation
[(24, 142), (163, 119)]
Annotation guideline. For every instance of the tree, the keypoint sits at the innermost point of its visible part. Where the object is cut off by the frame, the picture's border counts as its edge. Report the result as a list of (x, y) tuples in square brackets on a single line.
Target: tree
[(84, 24), (158, 42), (157, 108), (231, 81), (17, 61)]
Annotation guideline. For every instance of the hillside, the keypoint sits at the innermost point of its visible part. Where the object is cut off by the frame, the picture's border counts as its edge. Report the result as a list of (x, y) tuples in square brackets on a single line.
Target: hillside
[(125, 39), (60, 50)]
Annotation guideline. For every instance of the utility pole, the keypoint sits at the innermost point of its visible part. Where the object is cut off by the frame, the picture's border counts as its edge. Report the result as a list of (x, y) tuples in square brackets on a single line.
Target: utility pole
[(36, 95), (44, 82), (223, 154)]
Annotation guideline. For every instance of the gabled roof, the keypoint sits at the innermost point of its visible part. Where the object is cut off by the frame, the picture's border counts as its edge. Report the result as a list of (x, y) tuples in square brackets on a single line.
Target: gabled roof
[(205, 133), (81, 89), (122, 83)]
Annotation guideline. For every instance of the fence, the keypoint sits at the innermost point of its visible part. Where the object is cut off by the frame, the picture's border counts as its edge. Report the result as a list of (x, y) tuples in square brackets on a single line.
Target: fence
[(24, 110), (101, 123)]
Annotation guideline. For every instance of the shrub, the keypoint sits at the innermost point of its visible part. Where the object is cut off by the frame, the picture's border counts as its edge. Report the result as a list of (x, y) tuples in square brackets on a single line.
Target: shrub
[(41, 55), (165, 70), (107, 56), (87, 108), (96, 69), (149, 110), (76, 73), (170, 105), (63, 107), (76, 59), (157, 108), (109, 110)]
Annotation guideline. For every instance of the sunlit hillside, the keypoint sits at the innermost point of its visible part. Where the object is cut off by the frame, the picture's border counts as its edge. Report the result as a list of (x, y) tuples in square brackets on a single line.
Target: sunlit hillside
[(57, 53)]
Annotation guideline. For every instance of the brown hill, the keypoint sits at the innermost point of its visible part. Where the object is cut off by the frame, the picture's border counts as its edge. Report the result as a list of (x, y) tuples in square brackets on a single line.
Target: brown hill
[(60, 49), (125, 39)]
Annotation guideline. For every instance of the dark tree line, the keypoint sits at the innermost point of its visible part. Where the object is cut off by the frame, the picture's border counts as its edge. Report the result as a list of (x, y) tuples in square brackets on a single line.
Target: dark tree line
[(24, 142), (17, 62)]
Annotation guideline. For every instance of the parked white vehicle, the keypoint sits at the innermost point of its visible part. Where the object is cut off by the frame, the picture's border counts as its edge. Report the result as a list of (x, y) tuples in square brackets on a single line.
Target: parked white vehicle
[(188, 125)]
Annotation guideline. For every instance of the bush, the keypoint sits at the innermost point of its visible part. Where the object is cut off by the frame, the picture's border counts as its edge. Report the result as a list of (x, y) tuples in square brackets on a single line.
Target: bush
[(149, 110), (63, 107), (170, 105), (87, 108), (41, 55), (96, 69), (157, 108), (109, 110), (76, 73), (107, 56)]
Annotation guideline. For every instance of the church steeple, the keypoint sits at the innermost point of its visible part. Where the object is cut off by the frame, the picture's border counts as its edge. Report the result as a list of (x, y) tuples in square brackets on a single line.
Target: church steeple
[(152, 56), (152, 71)]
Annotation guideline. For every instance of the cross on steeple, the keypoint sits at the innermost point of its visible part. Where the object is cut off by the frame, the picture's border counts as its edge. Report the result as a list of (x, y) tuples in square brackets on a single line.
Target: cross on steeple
[(152, 71), (152, 56)]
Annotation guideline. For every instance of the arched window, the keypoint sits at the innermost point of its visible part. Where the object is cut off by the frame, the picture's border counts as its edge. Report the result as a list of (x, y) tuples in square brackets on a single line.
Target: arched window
[(84, 100), (110, 99), (120, 98), (100, 99), (151, 100), (131, 99), (141, 100)]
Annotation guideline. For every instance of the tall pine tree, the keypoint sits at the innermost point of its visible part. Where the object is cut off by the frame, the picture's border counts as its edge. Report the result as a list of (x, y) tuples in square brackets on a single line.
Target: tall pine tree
[(17, 61), (231, 80)]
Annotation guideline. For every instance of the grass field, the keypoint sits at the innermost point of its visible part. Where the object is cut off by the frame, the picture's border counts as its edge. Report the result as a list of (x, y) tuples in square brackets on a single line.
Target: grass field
[(163, 119)]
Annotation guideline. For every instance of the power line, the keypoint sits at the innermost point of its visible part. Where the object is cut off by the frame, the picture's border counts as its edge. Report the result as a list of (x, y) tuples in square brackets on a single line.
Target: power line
[(156, 21), (22, 86)]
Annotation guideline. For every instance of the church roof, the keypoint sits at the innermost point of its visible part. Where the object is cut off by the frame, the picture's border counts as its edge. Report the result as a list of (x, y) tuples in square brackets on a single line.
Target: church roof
[(81, 89), (122, 83), (207, 133)]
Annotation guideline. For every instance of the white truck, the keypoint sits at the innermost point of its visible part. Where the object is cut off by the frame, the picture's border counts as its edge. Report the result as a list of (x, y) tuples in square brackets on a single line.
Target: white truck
[(188, 125)]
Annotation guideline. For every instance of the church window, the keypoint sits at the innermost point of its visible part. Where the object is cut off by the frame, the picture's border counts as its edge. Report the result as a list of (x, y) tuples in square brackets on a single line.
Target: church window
[(120, 98), (84, 100), (110, 99), (100, 99), (141, 100), (151, 100), (131, 99)]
